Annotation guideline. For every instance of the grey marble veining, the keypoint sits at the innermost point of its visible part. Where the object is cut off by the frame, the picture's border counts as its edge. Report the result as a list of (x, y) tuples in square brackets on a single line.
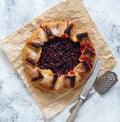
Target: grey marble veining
[(16, 104)]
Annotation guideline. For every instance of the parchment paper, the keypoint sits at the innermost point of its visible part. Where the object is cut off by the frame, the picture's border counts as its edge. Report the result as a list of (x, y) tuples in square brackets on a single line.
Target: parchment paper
[(70, 10)]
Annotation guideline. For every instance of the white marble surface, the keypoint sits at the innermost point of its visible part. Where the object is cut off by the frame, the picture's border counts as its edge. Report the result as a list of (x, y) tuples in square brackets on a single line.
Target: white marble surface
[(16, 104)]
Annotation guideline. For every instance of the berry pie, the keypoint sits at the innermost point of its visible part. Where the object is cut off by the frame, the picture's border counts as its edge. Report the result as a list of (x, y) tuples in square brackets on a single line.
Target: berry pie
[(58, 56)]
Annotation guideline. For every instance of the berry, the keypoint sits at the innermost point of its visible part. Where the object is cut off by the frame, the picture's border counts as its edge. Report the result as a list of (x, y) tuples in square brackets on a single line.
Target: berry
[(60, 55)]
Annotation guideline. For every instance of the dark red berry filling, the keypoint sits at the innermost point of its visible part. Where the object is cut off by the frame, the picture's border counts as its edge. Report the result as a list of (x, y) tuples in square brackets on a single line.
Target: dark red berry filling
[(60, 55)]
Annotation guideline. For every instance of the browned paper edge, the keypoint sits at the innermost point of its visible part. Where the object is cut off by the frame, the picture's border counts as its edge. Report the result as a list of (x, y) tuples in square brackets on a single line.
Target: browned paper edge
[(52, 103)]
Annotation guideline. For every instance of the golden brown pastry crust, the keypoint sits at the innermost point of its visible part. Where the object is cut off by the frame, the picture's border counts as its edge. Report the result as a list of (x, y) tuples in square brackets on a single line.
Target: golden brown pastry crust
[(46, 79)]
